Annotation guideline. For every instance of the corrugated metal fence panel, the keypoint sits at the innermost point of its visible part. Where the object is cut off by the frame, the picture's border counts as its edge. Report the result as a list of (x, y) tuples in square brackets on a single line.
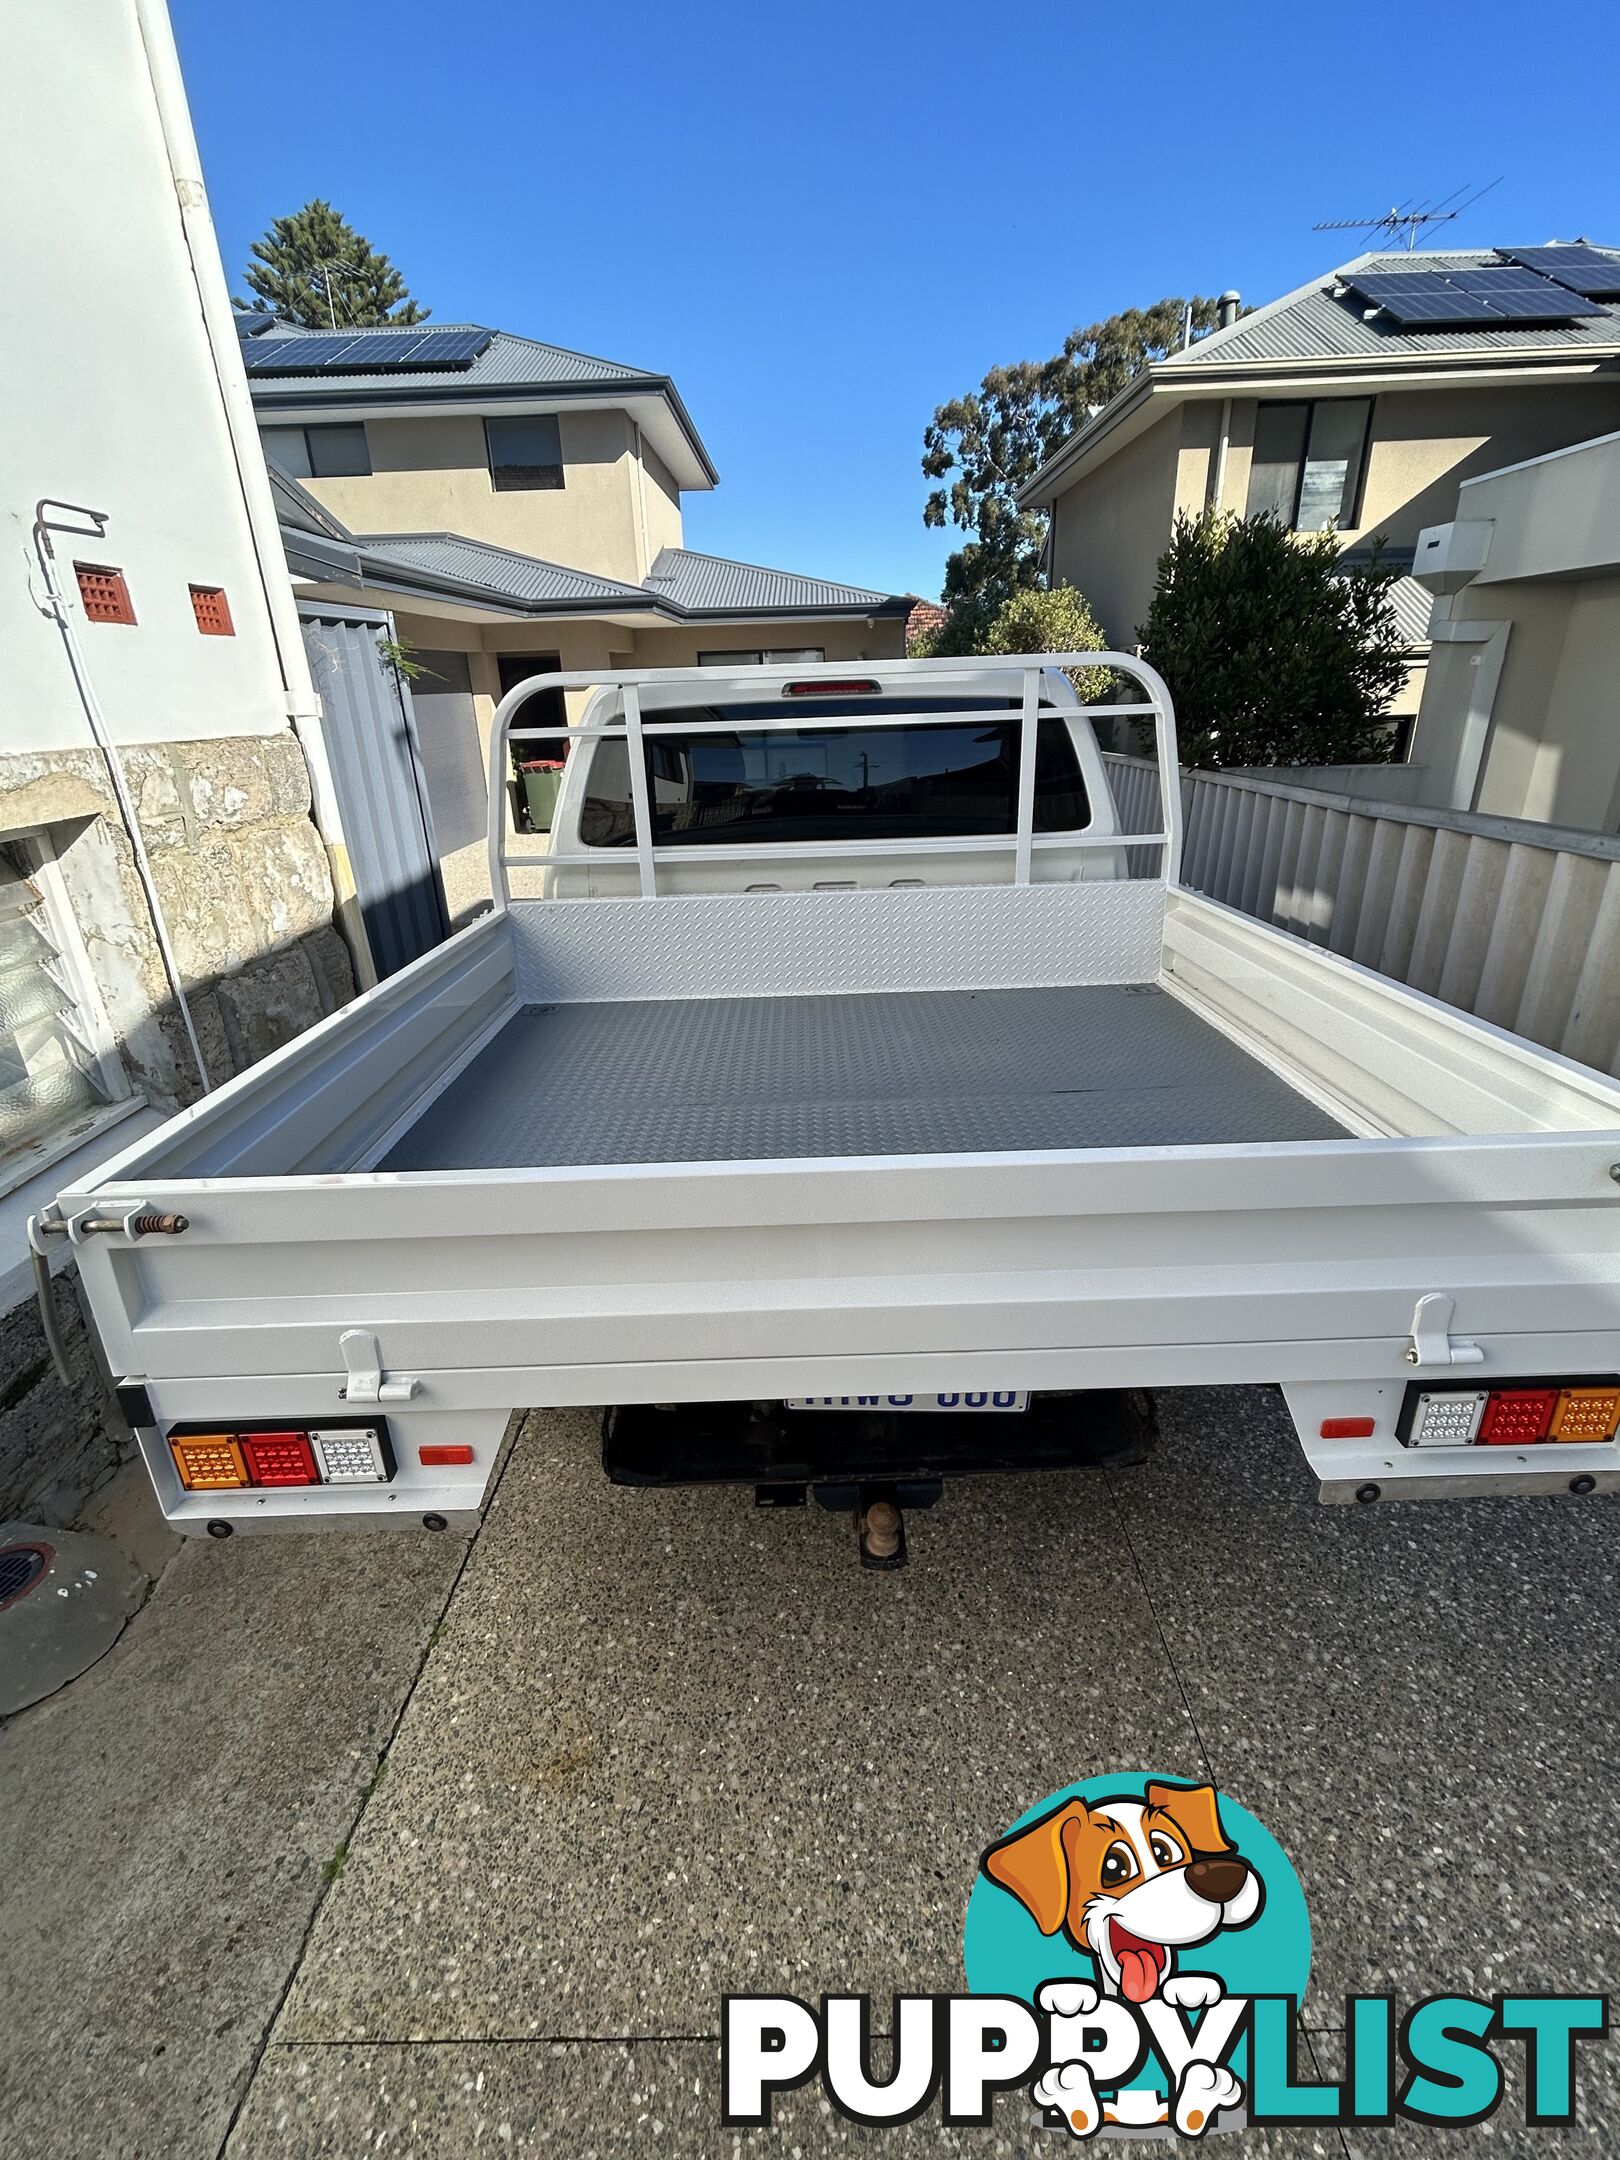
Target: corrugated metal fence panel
[(1515, 922), (452, 757), (377, 774)]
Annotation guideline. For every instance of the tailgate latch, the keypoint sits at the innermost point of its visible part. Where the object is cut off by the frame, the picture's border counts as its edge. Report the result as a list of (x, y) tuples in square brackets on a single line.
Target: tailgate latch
[(366, 1383), (1432, 1341)]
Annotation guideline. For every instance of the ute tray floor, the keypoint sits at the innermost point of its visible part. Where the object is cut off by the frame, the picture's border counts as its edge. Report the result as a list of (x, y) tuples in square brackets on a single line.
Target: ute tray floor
[(916, 1072)]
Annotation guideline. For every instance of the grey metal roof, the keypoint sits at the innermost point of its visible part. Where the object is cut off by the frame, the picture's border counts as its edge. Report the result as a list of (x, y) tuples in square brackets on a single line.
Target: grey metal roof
[(1324, 321), (508, 367), (501, 572), (709, 584), (297, 506), (1324, 324), (682, 586), (506, 359)]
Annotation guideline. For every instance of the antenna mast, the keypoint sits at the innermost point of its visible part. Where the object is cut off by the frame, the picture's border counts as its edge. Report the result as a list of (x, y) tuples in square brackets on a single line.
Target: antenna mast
[(1393, 222)]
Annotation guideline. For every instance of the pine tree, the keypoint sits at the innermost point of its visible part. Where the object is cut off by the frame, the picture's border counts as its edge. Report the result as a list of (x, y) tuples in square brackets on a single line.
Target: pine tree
[(314, 269)]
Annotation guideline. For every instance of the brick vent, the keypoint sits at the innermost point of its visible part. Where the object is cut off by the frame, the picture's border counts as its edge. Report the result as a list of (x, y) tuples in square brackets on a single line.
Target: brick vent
[(212, 610), (104, 593)]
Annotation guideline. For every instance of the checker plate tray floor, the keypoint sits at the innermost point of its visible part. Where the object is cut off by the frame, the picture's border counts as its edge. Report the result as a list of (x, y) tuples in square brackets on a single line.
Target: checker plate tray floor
[(897, 1073)]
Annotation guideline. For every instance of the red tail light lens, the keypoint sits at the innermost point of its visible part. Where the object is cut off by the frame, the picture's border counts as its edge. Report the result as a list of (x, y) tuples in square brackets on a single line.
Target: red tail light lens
[(1348, 1428), (280, 1458), (434, 1456), (832, 689), (1514, 1417)]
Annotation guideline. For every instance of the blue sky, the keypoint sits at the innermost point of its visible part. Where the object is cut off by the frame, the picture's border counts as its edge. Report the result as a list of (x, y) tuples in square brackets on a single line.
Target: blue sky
[(822, 221)]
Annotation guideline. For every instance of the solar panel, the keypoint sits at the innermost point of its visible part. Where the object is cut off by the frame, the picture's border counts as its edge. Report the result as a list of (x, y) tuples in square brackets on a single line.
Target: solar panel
[(1422, 296), (385, 352), (1592, 272), (456, 348), (287, 355), (251, 321), (368, 353), (1522, 296)]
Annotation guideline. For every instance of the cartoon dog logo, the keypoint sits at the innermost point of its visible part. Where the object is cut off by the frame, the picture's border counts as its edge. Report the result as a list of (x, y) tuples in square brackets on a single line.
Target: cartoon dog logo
[(1131, 1881)]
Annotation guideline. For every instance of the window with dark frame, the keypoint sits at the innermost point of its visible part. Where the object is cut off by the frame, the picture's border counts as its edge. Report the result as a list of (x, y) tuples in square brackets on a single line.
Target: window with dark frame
[(1308, 462), (524, 452), (338, 451)]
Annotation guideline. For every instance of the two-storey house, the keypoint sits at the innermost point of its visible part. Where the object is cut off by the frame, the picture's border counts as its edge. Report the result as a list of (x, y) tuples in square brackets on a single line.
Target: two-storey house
[(517, 508), (1359, 402)]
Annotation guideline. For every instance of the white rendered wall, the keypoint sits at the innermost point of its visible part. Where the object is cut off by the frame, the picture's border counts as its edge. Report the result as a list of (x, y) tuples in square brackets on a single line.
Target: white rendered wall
[(108, 388)]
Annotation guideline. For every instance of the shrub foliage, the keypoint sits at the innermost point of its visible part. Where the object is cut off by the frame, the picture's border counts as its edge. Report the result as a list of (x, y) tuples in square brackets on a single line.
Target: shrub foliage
[(1273, 654)]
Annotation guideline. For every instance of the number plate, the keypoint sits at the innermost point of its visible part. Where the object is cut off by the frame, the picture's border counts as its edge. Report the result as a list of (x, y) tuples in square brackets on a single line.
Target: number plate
[(1001, 1402)]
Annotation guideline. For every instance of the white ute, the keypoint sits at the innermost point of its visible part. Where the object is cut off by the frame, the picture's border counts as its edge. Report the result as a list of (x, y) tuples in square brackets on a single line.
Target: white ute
[(852, 1053)]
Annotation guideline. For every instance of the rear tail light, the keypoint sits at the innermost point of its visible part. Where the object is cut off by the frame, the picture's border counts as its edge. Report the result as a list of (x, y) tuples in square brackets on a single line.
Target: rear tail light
[(209, 1462), (269, 1456), (1516, 1416), (1586, 1413), (352, 1455), (280, 1459), (832, 689), (1525, 1413)]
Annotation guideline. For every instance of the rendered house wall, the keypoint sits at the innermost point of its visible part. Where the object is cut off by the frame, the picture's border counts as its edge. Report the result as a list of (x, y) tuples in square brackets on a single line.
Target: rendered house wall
[(431, 474), (114, 402)]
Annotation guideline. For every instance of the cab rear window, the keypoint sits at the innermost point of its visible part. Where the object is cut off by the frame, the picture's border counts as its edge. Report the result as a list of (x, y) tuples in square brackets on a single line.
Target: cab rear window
[(723, 783)]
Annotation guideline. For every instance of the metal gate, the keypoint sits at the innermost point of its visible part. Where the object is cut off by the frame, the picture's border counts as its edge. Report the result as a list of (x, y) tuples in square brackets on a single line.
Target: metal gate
[(376, 763)]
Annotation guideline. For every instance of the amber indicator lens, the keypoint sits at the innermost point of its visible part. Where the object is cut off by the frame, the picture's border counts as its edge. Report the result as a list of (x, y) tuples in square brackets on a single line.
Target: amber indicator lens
[(1586, 1413), (209, 1462)]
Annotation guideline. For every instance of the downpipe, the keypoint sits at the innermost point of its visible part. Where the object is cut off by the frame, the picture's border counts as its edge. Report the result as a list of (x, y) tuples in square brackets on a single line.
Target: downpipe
[(49, 518)]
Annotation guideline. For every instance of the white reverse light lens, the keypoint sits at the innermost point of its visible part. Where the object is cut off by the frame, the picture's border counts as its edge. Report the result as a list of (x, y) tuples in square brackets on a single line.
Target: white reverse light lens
[(1448, 1420), (351, 1456)]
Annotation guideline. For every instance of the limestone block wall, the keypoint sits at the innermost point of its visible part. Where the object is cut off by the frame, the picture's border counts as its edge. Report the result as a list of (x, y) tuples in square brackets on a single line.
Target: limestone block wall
[(242, 877)]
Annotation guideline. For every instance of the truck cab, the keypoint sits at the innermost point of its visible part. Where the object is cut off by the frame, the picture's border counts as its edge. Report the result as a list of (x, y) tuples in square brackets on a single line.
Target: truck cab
[(739, 804)]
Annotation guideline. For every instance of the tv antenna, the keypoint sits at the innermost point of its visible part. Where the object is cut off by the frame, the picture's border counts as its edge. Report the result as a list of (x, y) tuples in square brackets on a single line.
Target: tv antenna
[(1408, 217)]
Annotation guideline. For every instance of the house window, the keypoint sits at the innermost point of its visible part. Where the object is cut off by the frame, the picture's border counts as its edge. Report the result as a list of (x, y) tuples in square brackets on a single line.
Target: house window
[(1308, 462), (59, 1068), (783, 656), (318, 453), (526, 452), (104, 593), (212, 610)]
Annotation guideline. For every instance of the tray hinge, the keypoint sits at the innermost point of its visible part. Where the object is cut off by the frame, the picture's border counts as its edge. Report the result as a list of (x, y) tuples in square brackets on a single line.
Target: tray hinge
[(364, 1361), (1432, 1341)]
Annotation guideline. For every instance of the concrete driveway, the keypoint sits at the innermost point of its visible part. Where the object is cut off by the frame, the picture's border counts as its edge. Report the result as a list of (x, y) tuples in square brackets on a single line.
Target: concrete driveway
[(640, 1750)]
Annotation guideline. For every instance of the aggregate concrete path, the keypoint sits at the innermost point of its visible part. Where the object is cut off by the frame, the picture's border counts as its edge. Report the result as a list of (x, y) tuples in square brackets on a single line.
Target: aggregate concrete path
[(664, 1747), (168, 1823)]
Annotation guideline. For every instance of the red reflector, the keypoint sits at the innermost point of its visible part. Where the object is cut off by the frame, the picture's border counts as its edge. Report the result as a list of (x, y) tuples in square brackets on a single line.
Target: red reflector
[(832, 689), (433, 1456), (1347, 1428), (279, 1458), (1515, 1416)]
